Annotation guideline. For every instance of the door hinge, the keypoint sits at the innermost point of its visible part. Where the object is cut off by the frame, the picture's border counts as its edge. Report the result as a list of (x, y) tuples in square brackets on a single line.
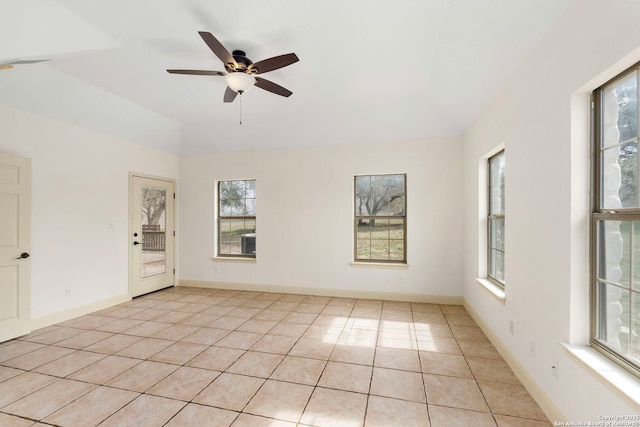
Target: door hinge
[(174, 271), (174, 233), (174, 196)]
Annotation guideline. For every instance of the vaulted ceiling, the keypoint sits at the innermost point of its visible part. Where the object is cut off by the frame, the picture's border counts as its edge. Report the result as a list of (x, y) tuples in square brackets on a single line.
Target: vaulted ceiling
[(369, 70)]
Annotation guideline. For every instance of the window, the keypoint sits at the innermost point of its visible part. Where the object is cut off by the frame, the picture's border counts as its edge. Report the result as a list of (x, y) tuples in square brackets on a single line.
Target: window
[(237, 218), (380, 224), (495, 219), (616, 221)]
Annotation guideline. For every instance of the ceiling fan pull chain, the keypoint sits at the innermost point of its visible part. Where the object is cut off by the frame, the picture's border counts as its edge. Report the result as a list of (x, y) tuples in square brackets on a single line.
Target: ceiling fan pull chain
[(240, 108)]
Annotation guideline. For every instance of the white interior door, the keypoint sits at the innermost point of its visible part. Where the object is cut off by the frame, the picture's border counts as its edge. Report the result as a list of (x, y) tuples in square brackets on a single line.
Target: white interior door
[(15, 242), (152, 234)]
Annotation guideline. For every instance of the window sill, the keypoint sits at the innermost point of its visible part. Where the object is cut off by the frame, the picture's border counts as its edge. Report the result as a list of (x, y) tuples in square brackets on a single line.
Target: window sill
[(401, 266), (493, 289), (233, 259), (624, 382)]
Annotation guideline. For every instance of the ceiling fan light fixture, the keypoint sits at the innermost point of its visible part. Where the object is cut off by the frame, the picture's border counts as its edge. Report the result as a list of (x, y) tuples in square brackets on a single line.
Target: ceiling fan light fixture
[(240, 82)]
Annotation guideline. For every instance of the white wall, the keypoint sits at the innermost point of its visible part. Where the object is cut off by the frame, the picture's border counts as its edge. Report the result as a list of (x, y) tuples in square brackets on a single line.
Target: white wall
[(542, 117), (305, 217), (79, 207)]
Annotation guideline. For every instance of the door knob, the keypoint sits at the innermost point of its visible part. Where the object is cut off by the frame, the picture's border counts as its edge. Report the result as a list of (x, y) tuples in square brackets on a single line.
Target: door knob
[(23, 255), (136, 243)]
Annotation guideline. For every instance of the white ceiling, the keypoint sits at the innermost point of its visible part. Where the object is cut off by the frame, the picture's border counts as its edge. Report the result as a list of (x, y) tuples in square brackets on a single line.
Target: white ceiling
[(369, 70)]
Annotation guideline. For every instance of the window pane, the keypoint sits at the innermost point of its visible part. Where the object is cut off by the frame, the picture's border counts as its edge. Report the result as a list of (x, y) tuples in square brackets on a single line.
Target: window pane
[(620, 176), (237, 236), (496, 184), (634, 345), (382, 195), (613, 309), (621, 109), (614, 241), (496, 234)]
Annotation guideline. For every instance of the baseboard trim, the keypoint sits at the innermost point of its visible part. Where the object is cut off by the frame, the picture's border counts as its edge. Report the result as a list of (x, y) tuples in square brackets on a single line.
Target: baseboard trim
[(332, 292), (542, 399), (62, 316)]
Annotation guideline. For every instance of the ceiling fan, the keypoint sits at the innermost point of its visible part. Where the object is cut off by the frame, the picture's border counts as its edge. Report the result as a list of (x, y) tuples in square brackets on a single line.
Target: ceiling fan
[(241, 74), (9, 63)]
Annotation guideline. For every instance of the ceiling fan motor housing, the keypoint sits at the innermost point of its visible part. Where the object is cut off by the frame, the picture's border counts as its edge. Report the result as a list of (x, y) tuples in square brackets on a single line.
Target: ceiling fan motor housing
[(242, 62)]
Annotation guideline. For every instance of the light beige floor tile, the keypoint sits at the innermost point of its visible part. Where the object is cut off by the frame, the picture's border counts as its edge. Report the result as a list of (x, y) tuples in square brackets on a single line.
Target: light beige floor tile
[(430, 318), (105, 370), (55, 335), (201, 320), (145, 348), (257, 325), (305, 307), (274, 344), (246, 420), (230, 391), (70, 363), (323, 333), (421, 307), (398, 384), (406, 360), (316, 299), (384, 412), (361, 355), (365, 323), (337, 310), (179, 353), (431, 332), (176, 316), (335, 408), (12, 421), (84, 339), (239, 340), (359, 337), (440, 345), (92, 408), (274, 315), (261, 304), (194, 415), (494, 370), (119, 325), (452, 417), (22, 385), (459, 319), (48, 399), (346, 376), (300, 317), (312, 348), (14, 349), (6, 373), (148, 314), (462, 332), (300, 370), (454, 392), (511, 399), (206, 336), (145, 411), (283, 305), (143, 376), (332, 320), (184, 383), (227, 322), (175, 332), (244, 312), (444, 364), (280, 400), (479, 348), (295, 330), (113, 344), (256, 364), (216, 358), (147, 329), (37, 358), (506, 421)]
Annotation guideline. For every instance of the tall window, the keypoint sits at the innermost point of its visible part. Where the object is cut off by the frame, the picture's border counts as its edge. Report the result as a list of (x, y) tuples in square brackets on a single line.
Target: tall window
[(616, 221), (380, 224), (495, 220), (237, 218)]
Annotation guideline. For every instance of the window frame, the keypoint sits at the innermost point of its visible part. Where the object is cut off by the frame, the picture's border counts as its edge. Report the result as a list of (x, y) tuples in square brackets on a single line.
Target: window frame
[(490, 219), (220, 218), (599, 215), (357, 218)]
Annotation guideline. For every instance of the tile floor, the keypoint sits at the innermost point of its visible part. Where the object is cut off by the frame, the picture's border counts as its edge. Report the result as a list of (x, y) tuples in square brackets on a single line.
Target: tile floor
[(206, 357)]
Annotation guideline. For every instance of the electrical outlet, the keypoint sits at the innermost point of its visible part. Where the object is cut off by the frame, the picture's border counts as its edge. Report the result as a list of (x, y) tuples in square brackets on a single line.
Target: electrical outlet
[(67, 292), (401, 278), (532, 348), (512, 327)]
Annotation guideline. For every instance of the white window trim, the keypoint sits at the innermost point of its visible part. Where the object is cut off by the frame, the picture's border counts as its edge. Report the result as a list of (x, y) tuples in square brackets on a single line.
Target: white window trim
[(483, 212)]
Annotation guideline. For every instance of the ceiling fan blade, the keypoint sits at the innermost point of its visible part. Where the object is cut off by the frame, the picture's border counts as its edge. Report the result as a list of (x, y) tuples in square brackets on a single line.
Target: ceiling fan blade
[(229, 95), (217, 48), (274, 63), (272, 87), (198, 72)]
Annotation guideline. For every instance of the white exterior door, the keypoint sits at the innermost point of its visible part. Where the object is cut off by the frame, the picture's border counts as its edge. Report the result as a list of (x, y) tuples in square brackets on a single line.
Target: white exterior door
[(151, 234), (15, 245)]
